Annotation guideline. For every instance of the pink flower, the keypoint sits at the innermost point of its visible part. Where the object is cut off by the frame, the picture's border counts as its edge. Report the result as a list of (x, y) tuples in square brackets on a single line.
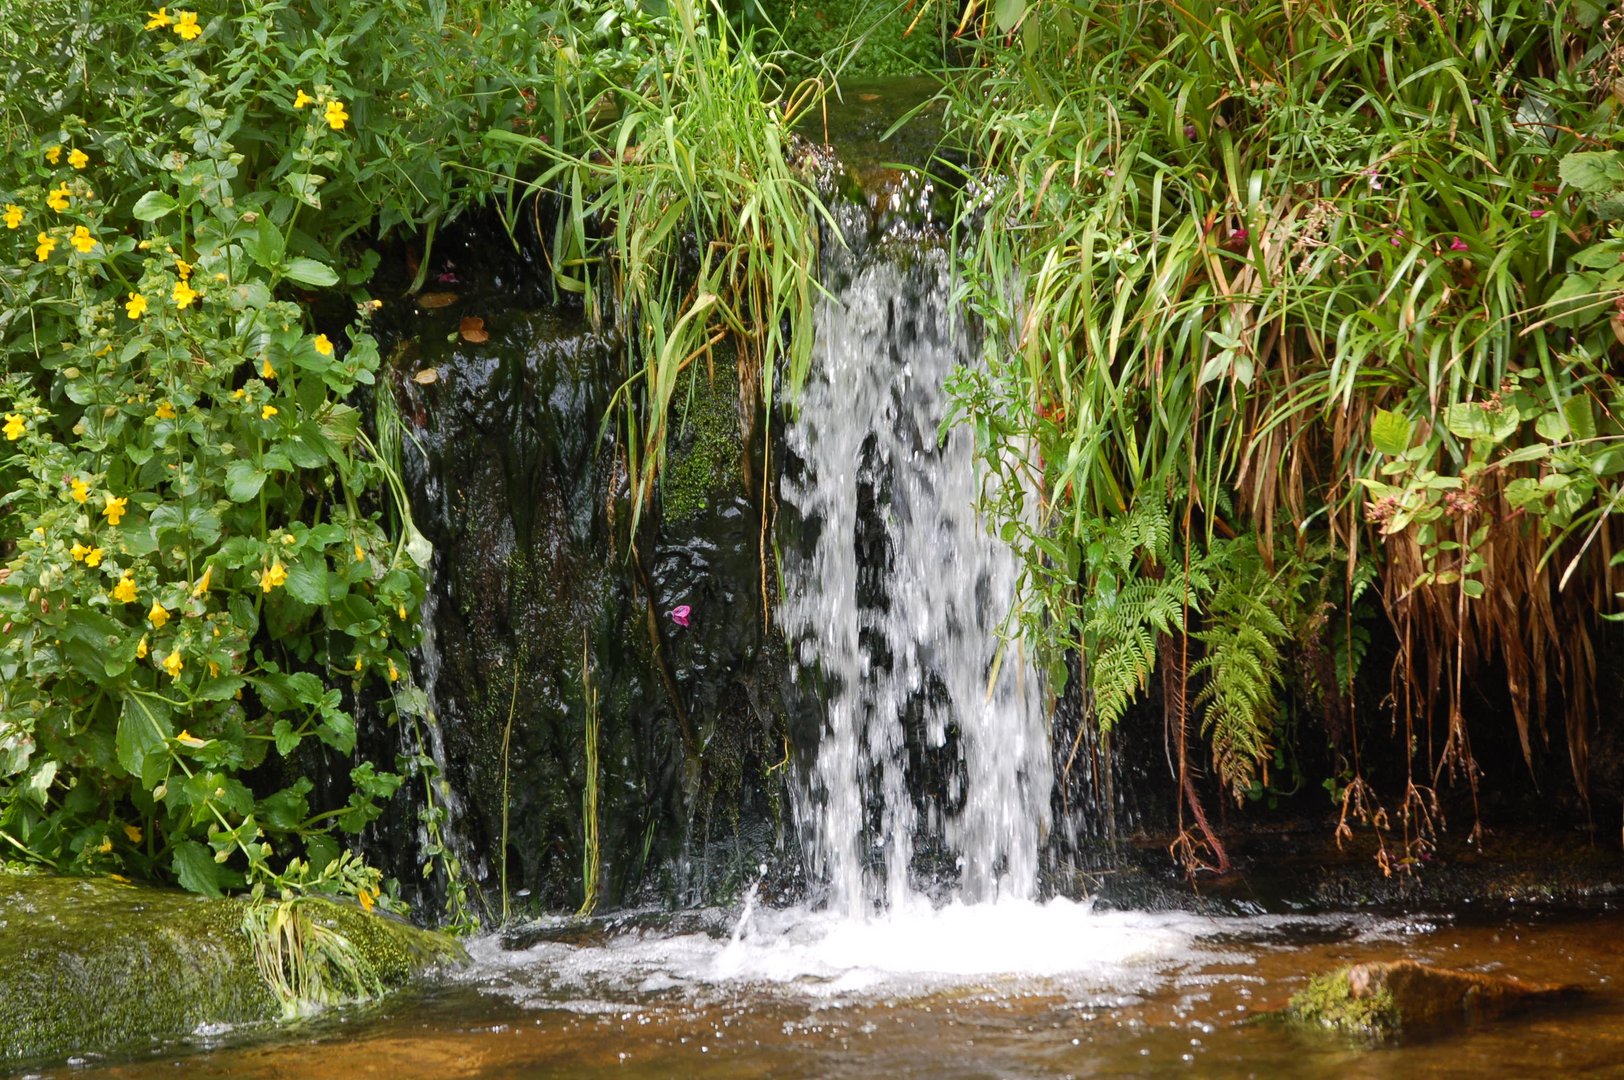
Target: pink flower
[(1397, 240), (1458, 244), (1536, 213), (680, 613)]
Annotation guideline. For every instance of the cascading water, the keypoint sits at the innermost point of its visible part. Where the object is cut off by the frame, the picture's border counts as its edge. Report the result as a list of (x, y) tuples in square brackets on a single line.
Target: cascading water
[(894, 601)]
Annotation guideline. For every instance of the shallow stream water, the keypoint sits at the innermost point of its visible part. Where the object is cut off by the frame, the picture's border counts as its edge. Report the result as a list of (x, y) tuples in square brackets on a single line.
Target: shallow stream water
[(1006, 990)]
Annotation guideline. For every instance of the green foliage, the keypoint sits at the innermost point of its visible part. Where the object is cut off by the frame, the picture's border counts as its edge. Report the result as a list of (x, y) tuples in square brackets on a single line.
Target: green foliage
[(679, 212), (1238, 260), (197, 574), (858, 38)]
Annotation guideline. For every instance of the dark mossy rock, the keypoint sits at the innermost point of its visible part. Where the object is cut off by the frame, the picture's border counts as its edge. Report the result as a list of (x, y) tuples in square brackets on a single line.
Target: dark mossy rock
[(1380, 1000), (95, 965), (516, 481)]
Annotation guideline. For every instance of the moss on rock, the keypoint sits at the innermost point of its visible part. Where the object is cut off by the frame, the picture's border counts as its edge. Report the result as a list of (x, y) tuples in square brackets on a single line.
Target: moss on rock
[(93, 964), (702, 457), (1379, 999)]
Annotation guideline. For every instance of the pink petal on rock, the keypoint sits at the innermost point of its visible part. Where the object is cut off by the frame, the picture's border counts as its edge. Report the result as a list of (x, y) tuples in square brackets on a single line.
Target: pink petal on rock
[(680, 613)]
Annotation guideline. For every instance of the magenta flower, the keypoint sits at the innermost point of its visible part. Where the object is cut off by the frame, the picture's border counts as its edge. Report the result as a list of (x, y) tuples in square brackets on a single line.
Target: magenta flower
[(1458, 244), (1397, 240), (680, 613), (1536, 213)]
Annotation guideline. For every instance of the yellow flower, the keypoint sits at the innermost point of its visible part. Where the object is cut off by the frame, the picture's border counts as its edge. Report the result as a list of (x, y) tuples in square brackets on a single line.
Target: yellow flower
[(323, 346), (158, 19), (78, 158), (124, 591), (186, 738), (141, 648), (14, 427), (133, 833), (81, 490), (165, 411), (82, 241), (267, 412), (47, 244), (238, 393), (53, 154), (368, 898), (394, 673), (157, 616), (105, 846), (301, 99), (183, 295), (59, 198), (186, 25), (336, 116), (14, 215), (173, 664), (135, 306), (266, 371), (401, 611), (273, 577), (360, 556), (120, 878), (78, 551), (357, 663), (93, 557), (183, 268), (114, 510), (214, 670), (203, 587)]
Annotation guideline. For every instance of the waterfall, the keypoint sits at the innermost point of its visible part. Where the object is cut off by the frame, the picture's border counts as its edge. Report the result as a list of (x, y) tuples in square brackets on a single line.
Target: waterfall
[(894, 598)]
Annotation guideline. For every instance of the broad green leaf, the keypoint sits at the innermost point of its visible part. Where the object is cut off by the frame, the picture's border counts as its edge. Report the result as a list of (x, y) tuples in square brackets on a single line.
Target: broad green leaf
[(1593, 171), (1471, 420), (312, 273), (1390, 432), (197, 871), (143, 729), (243, 481), (153, 205)]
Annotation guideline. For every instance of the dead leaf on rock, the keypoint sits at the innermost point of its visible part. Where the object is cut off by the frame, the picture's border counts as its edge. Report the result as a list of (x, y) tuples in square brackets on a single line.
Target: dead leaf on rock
[(426, 376), (473, 329), (431, 301)]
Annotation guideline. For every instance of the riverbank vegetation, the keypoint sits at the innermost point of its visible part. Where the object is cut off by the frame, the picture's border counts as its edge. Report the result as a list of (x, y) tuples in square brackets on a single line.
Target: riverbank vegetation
[(1302, 318)]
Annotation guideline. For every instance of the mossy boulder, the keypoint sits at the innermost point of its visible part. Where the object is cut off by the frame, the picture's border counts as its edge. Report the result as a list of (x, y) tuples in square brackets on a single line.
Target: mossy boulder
[(1379, 1000), (97, 965)]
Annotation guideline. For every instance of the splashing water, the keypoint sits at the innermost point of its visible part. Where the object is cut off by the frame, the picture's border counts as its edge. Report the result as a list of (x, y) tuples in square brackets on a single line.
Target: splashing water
[(895, 606)]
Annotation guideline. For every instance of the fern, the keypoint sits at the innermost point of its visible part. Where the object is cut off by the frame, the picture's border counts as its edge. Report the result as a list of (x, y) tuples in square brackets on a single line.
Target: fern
[(1246, 625), (1127, 607)]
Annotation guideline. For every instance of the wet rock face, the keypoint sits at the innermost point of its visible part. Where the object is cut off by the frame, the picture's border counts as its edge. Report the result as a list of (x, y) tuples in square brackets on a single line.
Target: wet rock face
[(1380, 1000), (93, 965), (515, 480)]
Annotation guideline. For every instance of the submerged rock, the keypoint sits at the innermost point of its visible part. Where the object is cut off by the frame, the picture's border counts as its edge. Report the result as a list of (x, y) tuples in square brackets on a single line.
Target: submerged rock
[(1381, 999), (94, 965)]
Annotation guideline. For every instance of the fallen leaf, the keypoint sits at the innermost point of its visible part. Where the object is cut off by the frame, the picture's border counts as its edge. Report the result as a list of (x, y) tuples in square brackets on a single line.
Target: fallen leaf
[(473, 329), (426, 376), (429, 301)]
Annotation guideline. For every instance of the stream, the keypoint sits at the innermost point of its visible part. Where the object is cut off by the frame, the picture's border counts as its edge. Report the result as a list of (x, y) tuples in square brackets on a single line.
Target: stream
[(1002, 990)]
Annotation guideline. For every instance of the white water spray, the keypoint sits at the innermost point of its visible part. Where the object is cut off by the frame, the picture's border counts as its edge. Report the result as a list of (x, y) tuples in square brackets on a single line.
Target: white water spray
[(895, 605)]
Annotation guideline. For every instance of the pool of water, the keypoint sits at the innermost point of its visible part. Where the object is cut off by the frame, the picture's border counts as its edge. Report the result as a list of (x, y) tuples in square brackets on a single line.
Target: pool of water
[(1005, 990)]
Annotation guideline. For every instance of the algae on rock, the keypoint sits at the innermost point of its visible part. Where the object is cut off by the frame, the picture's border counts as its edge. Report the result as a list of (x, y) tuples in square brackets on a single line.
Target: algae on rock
[(94, 964)]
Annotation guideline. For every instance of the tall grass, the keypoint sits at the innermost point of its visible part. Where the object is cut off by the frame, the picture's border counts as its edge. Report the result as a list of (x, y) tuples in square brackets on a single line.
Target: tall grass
[(680, 220), (1216, 243)]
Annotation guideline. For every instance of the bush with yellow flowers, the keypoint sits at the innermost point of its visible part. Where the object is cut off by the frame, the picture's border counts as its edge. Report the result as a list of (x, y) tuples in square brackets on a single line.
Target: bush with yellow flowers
[(197, 570)]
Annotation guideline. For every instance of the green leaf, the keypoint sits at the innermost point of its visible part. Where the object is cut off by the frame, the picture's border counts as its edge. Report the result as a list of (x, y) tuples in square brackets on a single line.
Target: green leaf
[(1390, 432), (197, 871), (307, 582), (1471, 420), (1593, 171), (154, 205), (1581, 418), (243, 481), (312, 273), (143, 728), (268, 247), (1008, 14)]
